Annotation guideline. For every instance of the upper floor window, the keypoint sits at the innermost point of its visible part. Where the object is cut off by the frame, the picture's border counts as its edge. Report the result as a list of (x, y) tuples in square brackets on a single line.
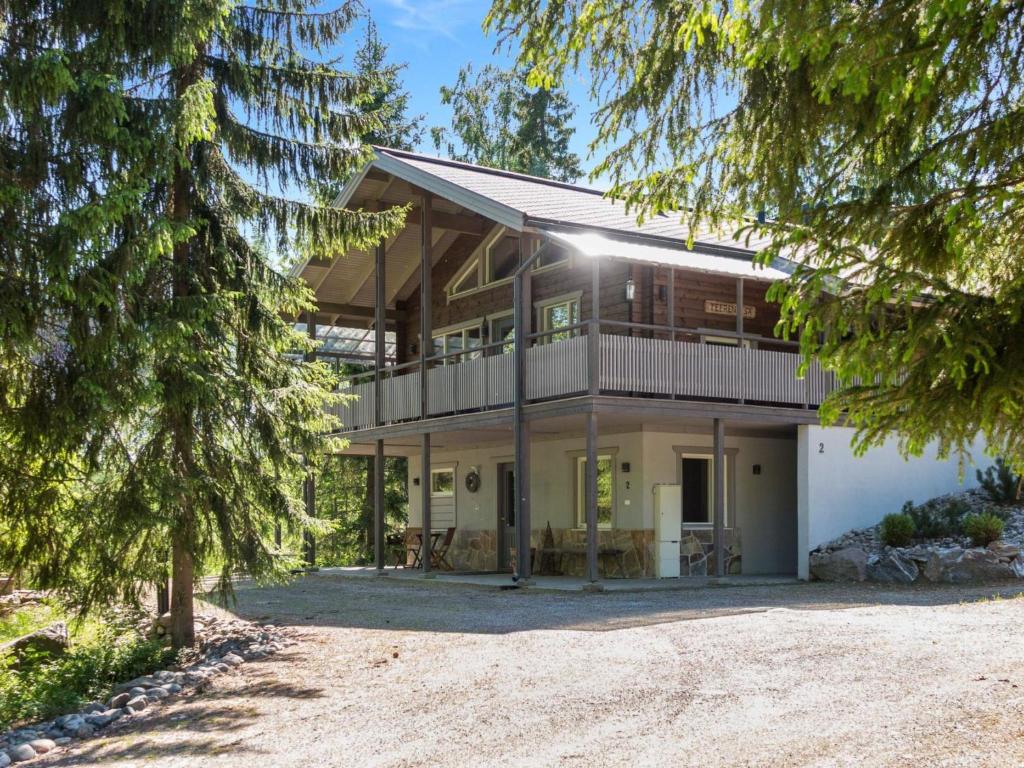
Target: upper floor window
[(451, 341), (560, 312)]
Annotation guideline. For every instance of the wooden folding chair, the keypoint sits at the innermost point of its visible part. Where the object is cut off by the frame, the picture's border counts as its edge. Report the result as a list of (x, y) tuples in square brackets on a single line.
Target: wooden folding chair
[(439, 557), (413, 547)]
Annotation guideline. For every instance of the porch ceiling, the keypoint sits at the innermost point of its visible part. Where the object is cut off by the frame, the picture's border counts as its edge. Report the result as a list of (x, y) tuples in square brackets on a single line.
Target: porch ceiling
[(616, 415)]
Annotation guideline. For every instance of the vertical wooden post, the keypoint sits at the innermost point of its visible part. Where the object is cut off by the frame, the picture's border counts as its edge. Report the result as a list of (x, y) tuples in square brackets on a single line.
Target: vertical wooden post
[(672, 325), (380, 341), (522, 307), (739, 326), (590, 495), (426, 351), (739, 306), (594, 330), (719, 511), (309, 485)]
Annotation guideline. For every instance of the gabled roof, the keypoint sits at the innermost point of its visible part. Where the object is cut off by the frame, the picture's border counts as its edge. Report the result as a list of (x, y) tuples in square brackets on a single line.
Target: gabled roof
[(518, 201)]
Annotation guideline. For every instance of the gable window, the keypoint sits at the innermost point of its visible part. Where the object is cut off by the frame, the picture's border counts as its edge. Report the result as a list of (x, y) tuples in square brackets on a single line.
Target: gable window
[(467, 279), (560, 312), (496, 259), (551, 254), (502, 257), (465, 339), (605, 490)]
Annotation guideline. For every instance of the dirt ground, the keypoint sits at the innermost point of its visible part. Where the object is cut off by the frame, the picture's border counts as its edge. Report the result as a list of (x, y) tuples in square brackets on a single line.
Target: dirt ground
[(392, 673)]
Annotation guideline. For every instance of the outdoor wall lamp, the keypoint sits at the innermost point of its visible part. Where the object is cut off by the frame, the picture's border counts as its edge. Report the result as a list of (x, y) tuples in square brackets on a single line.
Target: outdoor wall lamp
[(630, 289)]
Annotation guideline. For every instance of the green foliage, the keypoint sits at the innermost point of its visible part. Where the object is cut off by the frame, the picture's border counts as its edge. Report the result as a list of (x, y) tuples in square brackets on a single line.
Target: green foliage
[(936, 519), (983, 529), (387, 104), (897, 530), (47, 687), (28, 619), (152, 388), (1000, 482), (345, 498), (882, 142), (501, 122)]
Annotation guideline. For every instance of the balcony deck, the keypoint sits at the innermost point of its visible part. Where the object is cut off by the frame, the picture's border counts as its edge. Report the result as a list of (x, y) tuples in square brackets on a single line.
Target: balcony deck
[(640, 367)]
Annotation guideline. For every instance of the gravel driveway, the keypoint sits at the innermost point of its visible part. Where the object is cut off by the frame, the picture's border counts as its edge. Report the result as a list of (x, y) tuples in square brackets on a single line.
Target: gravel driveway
[(392, 673)]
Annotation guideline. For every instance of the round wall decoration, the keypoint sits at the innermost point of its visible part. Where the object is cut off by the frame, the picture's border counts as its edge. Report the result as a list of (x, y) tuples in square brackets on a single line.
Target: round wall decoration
[(472, 481)]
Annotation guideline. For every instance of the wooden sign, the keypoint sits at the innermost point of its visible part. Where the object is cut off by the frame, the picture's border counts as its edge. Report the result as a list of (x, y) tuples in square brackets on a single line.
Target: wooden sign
[(728, 308)]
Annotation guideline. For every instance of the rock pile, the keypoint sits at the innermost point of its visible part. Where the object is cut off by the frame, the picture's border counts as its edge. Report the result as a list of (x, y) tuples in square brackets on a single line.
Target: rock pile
[(221, 646), (859, 555)]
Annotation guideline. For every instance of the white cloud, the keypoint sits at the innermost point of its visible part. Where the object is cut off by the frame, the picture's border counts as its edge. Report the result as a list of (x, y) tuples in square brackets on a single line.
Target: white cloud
[(438, 17)]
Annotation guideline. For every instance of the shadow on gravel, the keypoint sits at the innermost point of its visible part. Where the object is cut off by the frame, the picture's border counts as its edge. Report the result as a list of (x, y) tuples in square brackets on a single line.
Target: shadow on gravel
[(332, 600), (141, 740), (205, 717)]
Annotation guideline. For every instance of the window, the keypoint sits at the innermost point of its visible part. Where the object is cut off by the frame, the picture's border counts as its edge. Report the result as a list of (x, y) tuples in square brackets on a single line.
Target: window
[(465, 339), (551, 255), (605, 491), (698, 489), (496, 259), (725, 341), (503, 329), (442, 482), (559, 313), (502, 258), (466, 280)]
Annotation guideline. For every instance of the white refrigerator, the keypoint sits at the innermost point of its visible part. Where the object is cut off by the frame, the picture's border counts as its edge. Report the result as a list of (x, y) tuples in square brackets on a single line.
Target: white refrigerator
[(668, 526)]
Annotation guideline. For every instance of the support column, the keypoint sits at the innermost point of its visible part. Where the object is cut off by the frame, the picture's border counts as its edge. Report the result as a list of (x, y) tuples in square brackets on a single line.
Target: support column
[(426, 351), (309, 484), (380, 340), (739, 305), (522, 307), (594, 330), (672, 325), (591, 498), (719, 512)]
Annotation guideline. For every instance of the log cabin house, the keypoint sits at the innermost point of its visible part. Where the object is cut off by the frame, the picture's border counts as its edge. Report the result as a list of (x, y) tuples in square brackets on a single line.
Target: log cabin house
[(518, 322)]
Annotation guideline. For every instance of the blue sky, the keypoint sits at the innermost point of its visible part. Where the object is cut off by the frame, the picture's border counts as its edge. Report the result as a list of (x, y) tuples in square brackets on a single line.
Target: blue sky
[(436, 38)]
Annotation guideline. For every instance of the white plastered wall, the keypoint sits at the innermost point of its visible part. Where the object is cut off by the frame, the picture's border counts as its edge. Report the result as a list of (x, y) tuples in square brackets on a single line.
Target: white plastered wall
[(839, 491)]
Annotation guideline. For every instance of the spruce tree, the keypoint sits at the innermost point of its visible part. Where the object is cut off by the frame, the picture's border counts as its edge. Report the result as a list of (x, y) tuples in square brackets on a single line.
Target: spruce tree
[(498, 121), (154, 399)]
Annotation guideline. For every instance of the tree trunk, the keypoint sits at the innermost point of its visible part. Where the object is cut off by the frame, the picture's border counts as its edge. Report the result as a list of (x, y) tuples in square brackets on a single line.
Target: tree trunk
[(183, 631)]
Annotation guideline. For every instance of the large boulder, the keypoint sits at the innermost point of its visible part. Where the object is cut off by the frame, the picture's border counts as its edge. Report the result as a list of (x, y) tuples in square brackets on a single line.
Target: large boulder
[(892, 568), (963, 566), (850, 564), (51, 640)]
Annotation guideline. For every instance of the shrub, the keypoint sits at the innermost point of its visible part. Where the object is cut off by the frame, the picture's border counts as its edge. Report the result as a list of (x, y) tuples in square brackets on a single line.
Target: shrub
[(935, 519), (897, 530), (1000, 482), (47, 686), (983, 529)]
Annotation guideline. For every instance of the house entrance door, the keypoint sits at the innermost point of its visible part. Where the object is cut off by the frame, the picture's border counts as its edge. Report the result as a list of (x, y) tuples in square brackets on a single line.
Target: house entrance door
[(506, 524)]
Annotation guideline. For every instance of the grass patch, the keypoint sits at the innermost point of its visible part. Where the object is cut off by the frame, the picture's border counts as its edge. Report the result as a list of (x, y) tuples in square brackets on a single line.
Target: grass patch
[(28, 619), (104, 651)]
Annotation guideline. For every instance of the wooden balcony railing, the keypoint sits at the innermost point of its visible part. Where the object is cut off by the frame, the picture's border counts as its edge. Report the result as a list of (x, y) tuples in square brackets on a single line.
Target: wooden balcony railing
[(651, 362)]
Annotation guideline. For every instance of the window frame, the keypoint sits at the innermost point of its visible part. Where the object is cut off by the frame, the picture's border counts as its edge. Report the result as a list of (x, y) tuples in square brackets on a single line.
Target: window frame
[(579, 462), (443, 469), (479, 260), (541, 307), (476, 323), (706, 452), (492, 338)]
